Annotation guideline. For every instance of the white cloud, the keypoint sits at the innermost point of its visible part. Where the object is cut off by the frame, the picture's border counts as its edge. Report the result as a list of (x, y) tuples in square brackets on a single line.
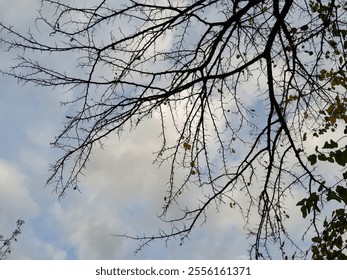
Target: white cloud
[(121, 194), (15, 199)]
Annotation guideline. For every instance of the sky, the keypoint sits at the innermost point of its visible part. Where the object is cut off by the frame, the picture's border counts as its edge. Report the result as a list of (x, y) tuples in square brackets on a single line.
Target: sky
[(122, 192)]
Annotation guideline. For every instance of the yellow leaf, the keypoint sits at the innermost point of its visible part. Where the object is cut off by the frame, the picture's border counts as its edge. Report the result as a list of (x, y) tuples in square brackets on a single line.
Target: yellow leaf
[(187, 146), (293, 30), (264, 9)]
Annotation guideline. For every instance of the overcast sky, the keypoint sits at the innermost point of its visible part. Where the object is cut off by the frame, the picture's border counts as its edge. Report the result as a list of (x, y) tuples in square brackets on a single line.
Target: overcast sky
[(122, 193)]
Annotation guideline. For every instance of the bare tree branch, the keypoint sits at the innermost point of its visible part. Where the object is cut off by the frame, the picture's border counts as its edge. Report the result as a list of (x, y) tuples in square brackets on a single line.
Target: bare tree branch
[(241, 83)]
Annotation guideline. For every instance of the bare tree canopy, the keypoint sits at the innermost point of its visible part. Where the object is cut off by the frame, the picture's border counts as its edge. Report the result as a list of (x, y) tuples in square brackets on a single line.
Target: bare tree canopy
[(240, 88)]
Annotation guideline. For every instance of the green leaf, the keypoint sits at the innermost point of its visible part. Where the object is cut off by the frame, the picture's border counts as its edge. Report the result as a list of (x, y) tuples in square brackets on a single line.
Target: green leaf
[(315, 251), (340, 212), (312, 159), (331, 159), (316, 239), (301, 202), (303, 211), (341, 157), (331, 145), (342, 193), (338, 242), (332, 195), (322, 157)]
